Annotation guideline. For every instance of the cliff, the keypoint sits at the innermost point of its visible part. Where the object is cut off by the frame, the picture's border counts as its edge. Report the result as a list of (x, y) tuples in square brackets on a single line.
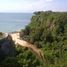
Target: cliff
[(7, 46)]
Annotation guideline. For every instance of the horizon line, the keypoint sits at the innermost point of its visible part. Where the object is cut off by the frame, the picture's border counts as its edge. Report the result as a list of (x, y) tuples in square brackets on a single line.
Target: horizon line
[(33, 11)]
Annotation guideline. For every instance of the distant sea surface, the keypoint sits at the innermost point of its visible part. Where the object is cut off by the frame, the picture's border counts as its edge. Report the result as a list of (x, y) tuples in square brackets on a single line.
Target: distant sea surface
[(10, 22)]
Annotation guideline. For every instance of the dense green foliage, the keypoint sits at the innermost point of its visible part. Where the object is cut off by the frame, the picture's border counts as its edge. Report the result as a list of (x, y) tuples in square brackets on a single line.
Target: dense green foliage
[(26, 58), (23, 58), (48, 31)]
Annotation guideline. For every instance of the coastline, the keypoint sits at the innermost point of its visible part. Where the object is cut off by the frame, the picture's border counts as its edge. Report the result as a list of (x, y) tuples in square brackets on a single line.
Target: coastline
[(5, 35)]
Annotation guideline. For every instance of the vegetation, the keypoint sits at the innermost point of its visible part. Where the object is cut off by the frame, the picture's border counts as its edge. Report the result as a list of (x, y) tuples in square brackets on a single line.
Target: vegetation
[(20, 57), (23, 58), (48, 31)]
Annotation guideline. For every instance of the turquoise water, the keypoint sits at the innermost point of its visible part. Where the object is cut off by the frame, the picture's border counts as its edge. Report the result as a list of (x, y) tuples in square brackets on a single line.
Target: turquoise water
[(10, 22)]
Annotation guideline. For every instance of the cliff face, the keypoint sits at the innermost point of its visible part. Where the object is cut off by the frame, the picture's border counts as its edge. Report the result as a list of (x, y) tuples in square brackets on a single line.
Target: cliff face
[(7, 46)]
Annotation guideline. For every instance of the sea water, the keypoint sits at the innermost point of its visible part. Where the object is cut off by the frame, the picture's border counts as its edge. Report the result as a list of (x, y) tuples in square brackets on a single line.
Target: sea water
[(10, 22)]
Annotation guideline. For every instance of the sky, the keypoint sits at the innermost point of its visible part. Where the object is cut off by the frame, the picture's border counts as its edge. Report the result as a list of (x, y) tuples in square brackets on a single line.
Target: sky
[(32, 5)]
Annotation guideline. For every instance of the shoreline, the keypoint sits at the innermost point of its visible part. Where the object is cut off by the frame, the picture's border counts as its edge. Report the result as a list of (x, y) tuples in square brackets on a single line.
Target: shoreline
[(4, 35)]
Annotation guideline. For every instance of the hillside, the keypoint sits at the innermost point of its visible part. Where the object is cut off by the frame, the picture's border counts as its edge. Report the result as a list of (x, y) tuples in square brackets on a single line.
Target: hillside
[(43, 42), (48, 31), (18, 53)]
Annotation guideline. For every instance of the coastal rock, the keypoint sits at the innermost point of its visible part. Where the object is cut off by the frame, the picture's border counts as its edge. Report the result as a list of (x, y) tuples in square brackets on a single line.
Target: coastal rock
[(7, 46)]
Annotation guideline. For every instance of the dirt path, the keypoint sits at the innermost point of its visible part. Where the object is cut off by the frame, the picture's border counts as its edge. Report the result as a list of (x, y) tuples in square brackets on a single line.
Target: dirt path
[(35, 50)]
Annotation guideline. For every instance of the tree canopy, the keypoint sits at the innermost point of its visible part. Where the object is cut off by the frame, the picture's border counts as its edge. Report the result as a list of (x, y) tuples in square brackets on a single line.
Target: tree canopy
[(48, 31)]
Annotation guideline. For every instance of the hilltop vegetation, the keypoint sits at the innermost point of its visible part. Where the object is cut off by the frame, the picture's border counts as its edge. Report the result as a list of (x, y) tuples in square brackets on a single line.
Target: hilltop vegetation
[(48, 31)]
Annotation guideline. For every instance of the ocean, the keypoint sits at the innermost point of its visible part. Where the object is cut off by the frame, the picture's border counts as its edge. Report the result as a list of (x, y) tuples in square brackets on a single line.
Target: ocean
[(10, 22)]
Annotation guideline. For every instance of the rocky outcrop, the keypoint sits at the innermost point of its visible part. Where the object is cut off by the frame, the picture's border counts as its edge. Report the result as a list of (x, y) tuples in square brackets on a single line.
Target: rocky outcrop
[(7, 46)]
